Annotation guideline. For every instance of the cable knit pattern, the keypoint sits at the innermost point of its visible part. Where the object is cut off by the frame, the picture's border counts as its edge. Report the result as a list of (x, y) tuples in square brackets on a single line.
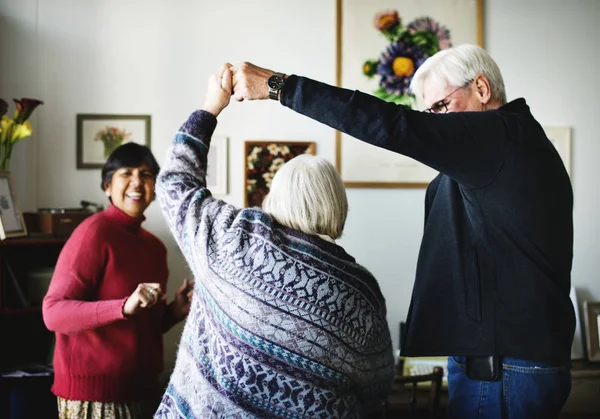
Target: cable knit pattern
[(283, 324)]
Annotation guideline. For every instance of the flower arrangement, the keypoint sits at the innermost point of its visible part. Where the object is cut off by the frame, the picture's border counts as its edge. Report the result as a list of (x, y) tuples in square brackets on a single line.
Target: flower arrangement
[(13, 130), (409, 46), (112, 138)]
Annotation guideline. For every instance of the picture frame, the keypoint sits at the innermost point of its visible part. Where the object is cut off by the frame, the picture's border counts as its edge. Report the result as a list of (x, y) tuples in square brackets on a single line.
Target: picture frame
[(560, 137), (12, 223), (363, 165), (99, 134), (262, 159), (217, 166), (591, 314), (577, 348)]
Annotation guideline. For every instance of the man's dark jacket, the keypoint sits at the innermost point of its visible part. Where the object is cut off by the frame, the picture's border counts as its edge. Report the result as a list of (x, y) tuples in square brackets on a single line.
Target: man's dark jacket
[(494, 268)]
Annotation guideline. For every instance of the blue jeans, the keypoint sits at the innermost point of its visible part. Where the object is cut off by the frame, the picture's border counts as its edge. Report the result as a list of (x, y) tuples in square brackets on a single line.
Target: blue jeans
[(527, 390)]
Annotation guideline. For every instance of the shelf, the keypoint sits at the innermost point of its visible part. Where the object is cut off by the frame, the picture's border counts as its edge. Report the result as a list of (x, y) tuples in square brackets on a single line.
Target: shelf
[(33, 241), (17, 311)]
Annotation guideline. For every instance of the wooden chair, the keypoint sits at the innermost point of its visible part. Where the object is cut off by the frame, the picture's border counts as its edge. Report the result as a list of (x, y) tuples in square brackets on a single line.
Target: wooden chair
[(405, 398)]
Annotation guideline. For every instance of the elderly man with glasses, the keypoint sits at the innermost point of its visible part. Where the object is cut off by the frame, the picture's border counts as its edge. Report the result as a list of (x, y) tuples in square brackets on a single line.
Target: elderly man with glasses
[(494, 269)]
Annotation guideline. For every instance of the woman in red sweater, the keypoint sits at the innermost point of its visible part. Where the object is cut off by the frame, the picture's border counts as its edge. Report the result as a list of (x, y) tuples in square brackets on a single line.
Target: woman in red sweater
[(107, 304)]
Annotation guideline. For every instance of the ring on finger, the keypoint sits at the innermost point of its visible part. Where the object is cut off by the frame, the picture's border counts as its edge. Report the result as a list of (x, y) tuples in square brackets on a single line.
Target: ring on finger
[(151, 293)]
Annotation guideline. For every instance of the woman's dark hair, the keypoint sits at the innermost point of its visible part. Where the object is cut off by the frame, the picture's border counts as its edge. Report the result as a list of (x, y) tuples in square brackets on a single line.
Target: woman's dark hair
[(128, 155)]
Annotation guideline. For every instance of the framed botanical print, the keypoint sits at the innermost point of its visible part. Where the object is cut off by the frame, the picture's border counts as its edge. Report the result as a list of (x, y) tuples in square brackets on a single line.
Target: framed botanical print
[(99, 135), (380, 44)]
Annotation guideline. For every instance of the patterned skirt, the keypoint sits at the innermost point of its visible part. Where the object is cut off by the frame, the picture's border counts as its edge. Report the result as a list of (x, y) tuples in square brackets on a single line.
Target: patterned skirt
[(78, 409)]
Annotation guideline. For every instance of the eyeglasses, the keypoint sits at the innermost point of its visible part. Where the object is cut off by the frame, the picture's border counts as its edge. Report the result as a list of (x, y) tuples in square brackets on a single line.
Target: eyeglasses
[(441, 106)]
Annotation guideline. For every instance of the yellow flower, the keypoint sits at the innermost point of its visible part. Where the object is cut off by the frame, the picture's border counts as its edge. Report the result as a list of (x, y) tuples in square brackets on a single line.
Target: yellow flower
[(403, 67), (14, 129), (21, 131), (5, 125), (11, 132)]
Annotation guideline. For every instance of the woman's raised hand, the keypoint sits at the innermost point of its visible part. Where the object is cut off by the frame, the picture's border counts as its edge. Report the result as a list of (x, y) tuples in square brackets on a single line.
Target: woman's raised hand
[(220, 87)]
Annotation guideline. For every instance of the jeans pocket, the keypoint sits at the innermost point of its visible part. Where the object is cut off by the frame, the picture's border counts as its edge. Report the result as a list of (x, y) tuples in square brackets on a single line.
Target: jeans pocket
[(535, 391), (528, 367)]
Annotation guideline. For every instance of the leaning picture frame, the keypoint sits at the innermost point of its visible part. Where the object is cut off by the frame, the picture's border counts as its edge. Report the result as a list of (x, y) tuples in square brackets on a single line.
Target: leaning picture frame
[(577, 348), (363, 165), (591, 311), (12, 223), (98, 135)]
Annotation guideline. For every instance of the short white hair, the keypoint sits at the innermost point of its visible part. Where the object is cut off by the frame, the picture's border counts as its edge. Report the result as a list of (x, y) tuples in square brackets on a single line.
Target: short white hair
[(307, 194), (458, 66)]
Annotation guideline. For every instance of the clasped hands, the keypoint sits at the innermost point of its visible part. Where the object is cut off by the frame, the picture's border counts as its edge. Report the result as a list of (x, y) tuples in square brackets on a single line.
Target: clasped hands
[(244, 81), (148, 294)]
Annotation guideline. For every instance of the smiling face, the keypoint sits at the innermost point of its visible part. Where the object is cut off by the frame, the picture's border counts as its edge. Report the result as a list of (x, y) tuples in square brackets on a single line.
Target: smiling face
[(131, 189)]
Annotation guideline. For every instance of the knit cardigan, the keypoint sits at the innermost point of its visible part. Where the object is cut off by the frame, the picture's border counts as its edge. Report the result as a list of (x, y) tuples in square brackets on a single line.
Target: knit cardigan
[(282, 325)]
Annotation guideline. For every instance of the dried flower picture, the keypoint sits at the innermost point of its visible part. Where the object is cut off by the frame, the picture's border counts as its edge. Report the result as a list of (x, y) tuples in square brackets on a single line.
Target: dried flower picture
[(262, 160), (99, 135)]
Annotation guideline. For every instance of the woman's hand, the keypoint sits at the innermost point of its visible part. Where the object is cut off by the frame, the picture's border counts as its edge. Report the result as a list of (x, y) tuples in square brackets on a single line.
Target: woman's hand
[(145, 296), (219, 90), (183, 300)]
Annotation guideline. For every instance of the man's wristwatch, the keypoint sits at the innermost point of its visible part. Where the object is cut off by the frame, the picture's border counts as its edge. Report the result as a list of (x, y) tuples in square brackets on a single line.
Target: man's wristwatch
[(275, 84)]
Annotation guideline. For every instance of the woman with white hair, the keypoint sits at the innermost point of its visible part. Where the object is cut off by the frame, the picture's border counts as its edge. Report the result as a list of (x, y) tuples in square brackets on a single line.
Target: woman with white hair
[(494, 270), (283, 323)]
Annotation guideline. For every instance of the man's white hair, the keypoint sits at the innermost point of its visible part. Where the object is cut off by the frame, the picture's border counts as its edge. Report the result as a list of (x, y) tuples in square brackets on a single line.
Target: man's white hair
[(307, 194), (458, 66)]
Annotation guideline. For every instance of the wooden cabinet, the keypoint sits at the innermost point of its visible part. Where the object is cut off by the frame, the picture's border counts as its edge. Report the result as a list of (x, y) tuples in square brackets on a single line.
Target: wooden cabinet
[(26, 267)]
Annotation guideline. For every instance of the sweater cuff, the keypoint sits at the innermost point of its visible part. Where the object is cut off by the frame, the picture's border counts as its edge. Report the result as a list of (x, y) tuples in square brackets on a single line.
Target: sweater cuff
[(200, 125), (110, 311)]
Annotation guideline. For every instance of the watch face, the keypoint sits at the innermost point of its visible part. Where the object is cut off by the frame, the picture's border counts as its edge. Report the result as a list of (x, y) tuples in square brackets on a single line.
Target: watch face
[(275, 82)]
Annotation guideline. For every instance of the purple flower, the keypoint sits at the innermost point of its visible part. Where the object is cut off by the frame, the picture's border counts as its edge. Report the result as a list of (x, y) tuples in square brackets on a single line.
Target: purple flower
[(3, 107), (397, 66), (427, 24), (25, 108)]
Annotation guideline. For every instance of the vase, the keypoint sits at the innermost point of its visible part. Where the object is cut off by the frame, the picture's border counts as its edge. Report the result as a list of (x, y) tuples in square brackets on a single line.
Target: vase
[(109, 148)]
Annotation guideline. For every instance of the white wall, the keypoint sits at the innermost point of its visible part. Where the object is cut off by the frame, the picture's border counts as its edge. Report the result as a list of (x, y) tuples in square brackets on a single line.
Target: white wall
[(153, 57)]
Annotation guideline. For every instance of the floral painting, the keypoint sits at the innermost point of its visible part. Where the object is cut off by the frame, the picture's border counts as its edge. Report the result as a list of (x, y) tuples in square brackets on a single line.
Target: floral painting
[(263, 159), (99, 135), (406, 49), (381, 44)]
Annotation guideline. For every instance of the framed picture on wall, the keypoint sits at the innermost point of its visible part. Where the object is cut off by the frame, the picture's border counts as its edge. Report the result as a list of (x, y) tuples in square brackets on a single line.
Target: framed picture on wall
[(374, 58), (12, 223), (591, 311), (99, 135), (216, 172), (560, 137), (577, 351), (262, 159)]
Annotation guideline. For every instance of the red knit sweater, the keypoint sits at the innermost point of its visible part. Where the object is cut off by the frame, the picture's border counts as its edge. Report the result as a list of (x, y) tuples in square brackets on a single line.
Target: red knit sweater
[(100, 355)]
